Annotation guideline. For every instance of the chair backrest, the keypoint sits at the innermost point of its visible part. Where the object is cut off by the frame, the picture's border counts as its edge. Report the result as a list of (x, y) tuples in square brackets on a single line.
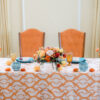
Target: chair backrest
[(73, 41), (30, 41)]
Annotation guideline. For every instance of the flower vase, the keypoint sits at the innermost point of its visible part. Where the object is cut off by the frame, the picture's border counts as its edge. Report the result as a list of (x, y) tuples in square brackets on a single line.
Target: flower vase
[(48, 66), (54, 66)]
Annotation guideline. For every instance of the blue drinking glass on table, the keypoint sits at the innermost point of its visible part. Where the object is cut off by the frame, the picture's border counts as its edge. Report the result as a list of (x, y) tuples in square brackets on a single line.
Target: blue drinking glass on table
[(83, 66)]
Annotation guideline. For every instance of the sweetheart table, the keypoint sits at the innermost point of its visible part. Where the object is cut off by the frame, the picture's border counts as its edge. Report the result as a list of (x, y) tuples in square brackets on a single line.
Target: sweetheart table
[(49, 84)]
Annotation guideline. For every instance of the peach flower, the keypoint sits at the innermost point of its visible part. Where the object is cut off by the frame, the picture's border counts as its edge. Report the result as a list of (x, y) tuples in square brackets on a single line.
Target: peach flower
[(35, 56), (42, 53)]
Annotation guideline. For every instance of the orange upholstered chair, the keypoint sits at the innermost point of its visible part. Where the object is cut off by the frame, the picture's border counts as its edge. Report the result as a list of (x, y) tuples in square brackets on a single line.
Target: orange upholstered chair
[(72, 40), (30, 41)]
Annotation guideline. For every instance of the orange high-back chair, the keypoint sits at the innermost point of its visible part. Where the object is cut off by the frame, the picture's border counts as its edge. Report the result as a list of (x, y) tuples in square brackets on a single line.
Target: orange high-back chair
[(30, 41), (73, 41)]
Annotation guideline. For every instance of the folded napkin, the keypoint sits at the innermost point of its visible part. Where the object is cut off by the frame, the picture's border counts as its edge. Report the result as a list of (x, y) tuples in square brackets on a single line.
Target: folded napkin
[(78, 60), (82, 59), (25, 60)]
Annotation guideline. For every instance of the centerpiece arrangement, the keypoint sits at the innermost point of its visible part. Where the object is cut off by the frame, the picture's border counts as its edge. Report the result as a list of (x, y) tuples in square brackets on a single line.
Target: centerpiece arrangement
[(52, 55)]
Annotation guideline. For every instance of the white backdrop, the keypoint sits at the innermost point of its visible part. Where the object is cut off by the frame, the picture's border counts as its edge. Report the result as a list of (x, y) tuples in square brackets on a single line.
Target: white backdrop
[(51, 16)]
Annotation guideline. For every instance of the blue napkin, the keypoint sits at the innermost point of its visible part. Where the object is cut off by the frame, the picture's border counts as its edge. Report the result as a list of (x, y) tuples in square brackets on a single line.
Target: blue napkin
[(30, 60), (80, 60)]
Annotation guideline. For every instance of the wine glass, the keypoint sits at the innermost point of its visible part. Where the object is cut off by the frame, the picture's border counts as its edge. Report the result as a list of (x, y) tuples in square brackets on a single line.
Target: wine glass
[(69, 58)]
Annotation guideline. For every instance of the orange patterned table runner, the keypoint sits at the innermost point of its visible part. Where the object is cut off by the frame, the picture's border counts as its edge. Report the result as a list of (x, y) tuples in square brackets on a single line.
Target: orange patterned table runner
[(52, 86)]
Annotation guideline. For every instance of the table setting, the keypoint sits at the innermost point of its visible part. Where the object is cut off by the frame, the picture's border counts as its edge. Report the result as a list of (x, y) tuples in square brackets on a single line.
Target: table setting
[(51, 74)]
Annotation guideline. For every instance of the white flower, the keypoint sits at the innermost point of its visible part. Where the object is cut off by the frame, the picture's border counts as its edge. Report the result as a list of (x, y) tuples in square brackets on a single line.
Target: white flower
[(61, 50), (49, 52)]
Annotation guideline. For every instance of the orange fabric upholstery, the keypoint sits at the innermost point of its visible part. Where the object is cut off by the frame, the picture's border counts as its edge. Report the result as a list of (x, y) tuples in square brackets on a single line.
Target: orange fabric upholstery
[(73, 41), (30, 41)]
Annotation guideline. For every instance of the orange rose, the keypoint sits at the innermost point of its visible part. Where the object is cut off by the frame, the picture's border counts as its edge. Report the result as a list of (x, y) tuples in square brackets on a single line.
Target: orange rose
[(47, 58)]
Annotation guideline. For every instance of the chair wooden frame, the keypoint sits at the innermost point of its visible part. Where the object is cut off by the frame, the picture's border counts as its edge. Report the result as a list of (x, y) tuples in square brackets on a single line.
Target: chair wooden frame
[(59, 40), (20, 50)]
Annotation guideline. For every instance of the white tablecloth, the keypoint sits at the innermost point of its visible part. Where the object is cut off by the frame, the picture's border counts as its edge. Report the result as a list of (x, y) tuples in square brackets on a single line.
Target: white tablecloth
[(49, 84)]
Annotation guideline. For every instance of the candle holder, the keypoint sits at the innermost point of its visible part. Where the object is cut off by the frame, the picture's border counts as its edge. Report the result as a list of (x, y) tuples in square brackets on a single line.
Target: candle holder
[(16, 66), (83, 66)]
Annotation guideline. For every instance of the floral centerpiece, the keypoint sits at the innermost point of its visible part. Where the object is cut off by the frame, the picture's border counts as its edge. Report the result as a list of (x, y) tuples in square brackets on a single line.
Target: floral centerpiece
[(51, 55)]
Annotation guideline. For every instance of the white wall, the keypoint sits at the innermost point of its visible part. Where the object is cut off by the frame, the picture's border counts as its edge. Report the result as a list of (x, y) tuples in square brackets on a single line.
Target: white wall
[(51, 16)]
